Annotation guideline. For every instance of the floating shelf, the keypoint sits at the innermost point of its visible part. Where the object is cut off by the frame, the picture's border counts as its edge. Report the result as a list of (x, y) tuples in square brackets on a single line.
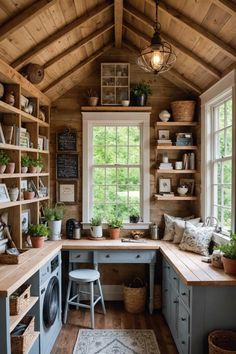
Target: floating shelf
[(176, 124), (5, 205), (164, 197), (21, 148), (174, 147), (14, 320), (116, 109), (23, 175), (175, 171)]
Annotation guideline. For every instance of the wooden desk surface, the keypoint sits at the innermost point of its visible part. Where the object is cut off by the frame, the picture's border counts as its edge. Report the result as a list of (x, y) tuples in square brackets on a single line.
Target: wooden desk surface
[(188, 265)]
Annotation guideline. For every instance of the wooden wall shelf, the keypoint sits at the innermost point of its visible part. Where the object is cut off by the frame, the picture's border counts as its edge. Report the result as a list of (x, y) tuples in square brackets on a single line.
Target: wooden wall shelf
[(116, 109), (176, 124), (174, 147), (176, 171), (164, 197)]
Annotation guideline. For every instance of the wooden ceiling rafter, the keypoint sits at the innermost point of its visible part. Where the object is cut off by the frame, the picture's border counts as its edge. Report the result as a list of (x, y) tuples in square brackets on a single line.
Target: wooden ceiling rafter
[(118, 19), (79, 44), (98, 10), (227, 5), (19, 20), (147, 21), (174, 73), (202, 31), (77, 67)]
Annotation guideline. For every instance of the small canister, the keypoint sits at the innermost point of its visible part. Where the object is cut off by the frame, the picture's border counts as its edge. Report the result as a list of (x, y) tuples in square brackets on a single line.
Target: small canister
[(154, 232), (76, 232)]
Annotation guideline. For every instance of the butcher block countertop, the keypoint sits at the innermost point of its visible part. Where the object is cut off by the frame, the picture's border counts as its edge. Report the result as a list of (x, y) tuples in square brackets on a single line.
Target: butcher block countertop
[(188, 266)]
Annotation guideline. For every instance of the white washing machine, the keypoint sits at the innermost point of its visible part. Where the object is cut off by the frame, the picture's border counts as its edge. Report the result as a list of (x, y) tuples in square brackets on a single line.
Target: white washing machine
[(50, 303)]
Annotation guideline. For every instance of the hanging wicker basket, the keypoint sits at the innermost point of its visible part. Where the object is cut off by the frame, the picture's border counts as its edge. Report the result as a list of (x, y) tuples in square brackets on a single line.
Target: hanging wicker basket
[(222, 342), (135, 296), (183, 111)]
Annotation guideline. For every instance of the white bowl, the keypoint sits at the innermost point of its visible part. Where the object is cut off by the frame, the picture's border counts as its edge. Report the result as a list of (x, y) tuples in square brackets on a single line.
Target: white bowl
[(125, 103), (164, 116), (182, 190)]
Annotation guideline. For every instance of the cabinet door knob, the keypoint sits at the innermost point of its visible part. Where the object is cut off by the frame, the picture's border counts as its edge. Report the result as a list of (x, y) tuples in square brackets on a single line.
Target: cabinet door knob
[(138, 256), (183, 294), (107, 256), (175, 301), (174, 278), (168, 267), (183, 342), (183, 319), (78, 256)]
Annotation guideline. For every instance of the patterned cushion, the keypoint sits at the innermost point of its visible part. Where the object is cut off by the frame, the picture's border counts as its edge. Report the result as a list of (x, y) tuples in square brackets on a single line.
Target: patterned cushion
[(179, 226), (196, 239), (169, 226)]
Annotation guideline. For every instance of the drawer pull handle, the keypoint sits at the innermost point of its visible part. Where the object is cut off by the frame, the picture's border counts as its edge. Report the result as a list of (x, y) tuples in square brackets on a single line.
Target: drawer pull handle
[(174, 278), (168, 267), (184, 294), (175, 301), (138, 256), (183, 319), (183, 342), (107, 256), (78, 256)]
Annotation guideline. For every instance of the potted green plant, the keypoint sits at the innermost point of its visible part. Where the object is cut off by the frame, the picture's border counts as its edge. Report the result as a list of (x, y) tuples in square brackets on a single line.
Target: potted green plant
[(25, 161), (28, 194), (96, 226), (140, 92), (33, 163), (54, 218), (114, 226), (37, 234), (229, 255), (4, 159), (39, 162), (92, 97), (134, 216)]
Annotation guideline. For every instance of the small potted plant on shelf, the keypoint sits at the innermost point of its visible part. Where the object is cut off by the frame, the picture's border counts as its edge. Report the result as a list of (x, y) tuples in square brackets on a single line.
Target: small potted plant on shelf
[(33, 165), (229, 255), (4, 159), (28, 194), (96, 226), (37, 233), (39, 162), (25, 161), (54, 218), (92, 97), (10, 167), (114, 226), (140, 92), (134, 216)]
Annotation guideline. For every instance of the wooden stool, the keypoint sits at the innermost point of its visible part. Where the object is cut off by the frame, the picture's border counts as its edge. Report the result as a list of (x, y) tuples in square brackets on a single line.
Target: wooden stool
[(83, 276)]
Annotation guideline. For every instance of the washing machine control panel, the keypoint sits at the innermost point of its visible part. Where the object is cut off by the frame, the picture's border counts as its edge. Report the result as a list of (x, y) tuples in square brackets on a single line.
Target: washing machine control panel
[(54, 263)]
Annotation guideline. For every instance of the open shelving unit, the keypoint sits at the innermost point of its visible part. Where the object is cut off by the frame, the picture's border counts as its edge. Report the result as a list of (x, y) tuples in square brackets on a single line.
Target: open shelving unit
[(37, 125)]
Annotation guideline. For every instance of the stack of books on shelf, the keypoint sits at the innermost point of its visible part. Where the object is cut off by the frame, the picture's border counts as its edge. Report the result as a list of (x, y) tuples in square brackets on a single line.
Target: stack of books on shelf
[(11, 134), (166, 166), (164, 142), (184, 139), (24, 138), (169, 194), (43, 142)]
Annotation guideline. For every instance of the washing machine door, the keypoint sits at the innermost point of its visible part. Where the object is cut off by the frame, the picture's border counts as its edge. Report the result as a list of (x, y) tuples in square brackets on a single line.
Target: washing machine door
[(51, 302)]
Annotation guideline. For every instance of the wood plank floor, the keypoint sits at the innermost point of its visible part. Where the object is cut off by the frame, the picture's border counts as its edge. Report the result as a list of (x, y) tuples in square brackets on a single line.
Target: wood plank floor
[(116, 318)]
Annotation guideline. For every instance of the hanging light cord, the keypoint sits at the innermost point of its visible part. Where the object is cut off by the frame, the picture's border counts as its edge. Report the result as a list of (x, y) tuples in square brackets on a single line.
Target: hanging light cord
[(157, 25)]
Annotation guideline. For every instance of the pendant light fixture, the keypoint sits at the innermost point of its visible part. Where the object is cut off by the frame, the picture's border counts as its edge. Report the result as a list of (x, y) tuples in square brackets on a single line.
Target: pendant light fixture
[(159, 56)]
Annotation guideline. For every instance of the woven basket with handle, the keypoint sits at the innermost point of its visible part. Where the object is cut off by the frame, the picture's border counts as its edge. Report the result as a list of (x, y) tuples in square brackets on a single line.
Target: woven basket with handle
[(183, 111), (222, 342), (135, 296)]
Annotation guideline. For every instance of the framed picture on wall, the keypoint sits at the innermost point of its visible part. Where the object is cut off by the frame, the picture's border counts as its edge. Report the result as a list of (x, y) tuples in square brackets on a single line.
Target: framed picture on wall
[(67, 192), (164, 185), (25, 220), (4, 196)]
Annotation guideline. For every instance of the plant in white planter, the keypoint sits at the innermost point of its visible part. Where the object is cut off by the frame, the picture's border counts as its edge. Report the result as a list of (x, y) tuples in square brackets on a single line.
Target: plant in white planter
[(96, 226), (25, 162), (54, 218)]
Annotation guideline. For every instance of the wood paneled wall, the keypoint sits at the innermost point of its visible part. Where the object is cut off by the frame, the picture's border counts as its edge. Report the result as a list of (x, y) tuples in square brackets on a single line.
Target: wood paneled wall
[(66, 113)]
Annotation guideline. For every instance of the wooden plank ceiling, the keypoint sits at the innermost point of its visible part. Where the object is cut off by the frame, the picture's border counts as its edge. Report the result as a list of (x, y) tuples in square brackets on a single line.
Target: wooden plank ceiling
[(67, 36)]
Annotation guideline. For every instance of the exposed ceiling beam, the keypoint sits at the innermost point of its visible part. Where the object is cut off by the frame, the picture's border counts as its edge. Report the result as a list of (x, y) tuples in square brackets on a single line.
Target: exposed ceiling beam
[(172, 72), (118, 16), (18, 21), (178, 16), (79, 66), (147, 21), (227, 5), (98, 10), (79, 44)]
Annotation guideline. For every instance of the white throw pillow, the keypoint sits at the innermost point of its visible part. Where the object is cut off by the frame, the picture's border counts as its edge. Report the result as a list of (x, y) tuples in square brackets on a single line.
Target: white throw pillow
[(179, 226), (196, 239), (169, 226)]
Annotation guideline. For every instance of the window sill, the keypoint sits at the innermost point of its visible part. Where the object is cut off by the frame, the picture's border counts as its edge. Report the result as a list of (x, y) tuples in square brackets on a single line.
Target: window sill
[(220, 238), (126, 226)]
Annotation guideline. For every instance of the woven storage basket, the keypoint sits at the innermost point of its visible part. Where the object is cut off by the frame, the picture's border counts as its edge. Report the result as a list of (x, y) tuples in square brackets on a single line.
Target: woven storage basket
[(183, 111), (222, 342), (20, 343), (135, 296), (19, 299), (157, 297)]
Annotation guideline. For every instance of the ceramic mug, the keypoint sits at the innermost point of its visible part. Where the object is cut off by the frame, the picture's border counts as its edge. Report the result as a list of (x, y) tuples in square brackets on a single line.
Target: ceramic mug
[(178, 165)]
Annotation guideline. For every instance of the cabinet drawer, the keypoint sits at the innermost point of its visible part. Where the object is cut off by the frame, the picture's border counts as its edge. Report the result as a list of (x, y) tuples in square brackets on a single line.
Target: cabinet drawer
[(184, 293), (81, 257), (174, 279), (124, 256)]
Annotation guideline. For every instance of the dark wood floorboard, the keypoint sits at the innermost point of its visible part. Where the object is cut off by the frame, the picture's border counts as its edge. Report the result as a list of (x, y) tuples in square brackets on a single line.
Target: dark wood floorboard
[(116, 318)]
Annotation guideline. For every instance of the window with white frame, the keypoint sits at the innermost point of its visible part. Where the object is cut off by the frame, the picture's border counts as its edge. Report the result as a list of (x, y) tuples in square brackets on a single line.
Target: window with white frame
[(115, 166), (221, 116)]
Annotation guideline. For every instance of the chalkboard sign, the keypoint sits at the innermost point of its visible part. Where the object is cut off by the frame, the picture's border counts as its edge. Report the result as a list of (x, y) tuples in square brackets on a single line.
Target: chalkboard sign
[(68, 166), (67, 140)]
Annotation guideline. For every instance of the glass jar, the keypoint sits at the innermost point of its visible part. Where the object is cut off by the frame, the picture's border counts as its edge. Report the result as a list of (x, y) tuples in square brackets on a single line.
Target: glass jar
[(154, 232)]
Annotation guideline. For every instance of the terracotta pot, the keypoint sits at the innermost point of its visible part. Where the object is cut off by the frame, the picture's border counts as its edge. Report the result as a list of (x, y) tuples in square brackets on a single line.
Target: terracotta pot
[(32, 169), (10, 167), (37, 241), (2, 168), (24, 169), (229, 265), (93, 101), (28, 195), (114, 233), (10, 98)]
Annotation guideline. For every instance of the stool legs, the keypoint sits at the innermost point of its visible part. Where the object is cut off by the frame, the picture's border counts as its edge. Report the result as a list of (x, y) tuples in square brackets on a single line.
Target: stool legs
[(67, 299), (92, 304), (101, 294)]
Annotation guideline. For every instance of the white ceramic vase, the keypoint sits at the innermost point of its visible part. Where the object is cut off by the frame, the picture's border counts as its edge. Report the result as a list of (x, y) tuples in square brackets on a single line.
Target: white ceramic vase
[(13, 194), (182, 190), (55, 229), (96, 231), (164, 116)]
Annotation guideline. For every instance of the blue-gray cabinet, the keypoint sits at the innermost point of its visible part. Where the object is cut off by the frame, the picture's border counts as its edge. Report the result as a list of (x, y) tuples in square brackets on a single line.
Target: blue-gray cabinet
[(193, 311)]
